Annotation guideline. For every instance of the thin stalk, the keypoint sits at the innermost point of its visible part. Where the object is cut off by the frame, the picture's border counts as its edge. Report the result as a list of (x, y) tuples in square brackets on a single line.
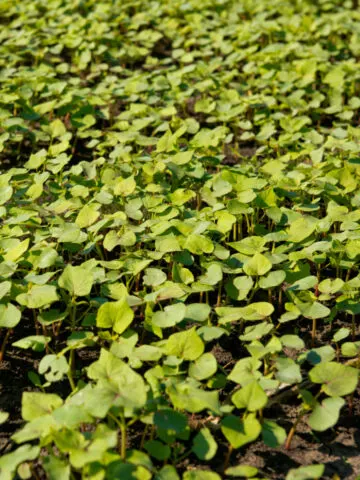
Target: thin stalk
[(99, 251), (227, 458), (353, 327), (44, 329), (70, 372), (292, 431), (143, 436), (3, 346), (122, 425), (198, 201), (347, 278), (351, 403), (123, 440), (313, 332), (37, 329), (73, 313), (218, 301), (247, 223), (337, 352), (280, 297), (239, 235)]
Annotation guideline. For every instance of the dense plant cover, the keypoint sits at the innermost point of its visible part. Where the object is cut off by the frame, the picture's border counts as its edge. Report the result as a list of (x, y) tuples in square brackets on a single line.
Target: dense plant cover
[(180, 231)]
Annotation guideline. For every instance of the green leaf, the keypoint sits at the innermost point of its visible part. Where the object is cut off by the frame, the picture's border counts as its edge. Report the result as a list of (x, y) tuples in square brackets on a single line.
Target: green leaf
[(305, 283), (10, 461), (35, 342), (186, 345), (76, 280), (170, 420), (330, 286), (318, 355), (310, 472), (115, 315), (341, 334), (57, 128), (87, 215), (257, 311), (36, 160), (187, 397), (154, 277), (251, 397), (240, 432), (198, 244), (350, 349), (245, 370), (118, 383), (56, 469), (336, 379), (204, 445), (288, 371), (292, 341), (242, 286), (241, 471), (9, 316), (5, 194), (273, 279), (201, 475), (3, 417), (255, 332), (301, 229), (273, 435), (37, 404), (167, 472), (182, 158), (314, 310), (326, 413), (197, 312), (16, 252), (5, 288), (125, 187), (157, 449), (171, 315), (53, 367), (258, 265), (213, 275), (38, 296), (204, 367)]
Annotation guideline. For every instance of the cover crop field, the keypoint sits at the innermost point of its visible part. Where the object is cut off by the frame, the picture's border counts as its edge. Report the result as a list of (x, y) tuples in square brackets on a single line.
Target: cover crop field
[(179, 239)]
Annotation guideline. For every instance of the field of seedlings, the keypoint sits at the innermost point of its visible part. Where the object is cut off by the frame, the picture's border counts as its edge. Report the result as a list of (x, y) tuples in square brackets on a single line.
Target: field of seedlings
[(179, 239)]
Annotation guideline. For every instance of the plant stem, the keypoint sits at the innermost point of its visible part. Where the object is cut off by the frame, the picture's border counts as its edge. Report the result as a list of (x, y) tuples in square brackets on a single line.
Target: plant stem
[(227, 458), (123, 439), (122, 425), (3, 346), (73, 314), (353, 327), (71, 380), (292, 431), (218, 301), (313, 332), (36, 323), (143, 436)]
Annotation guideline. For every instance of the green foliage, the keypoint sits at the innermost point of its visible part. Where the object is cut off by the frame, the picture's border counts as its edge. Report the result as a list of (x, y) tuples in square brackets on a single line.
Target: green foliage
[(179, 200)]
